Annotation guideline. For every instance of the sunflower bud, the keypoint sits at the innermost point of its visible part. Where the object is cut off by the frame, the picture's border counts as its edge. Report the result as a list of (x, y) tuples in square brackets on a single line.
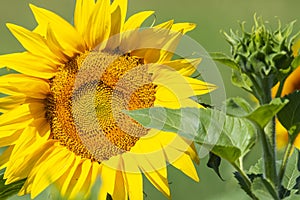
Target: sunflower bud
[(263, 56)]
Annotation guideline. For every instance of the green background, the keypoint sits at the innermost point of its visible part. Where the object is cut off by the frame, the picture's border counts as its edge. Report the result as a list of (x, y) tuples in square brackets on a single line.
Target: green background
[(211, 17)]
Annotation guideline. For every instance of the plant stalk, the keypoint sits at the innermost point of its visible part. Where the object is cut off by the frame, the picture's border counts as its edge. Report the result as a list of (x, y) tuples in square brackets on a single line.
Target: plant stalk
[(245, 178), (269, 141)]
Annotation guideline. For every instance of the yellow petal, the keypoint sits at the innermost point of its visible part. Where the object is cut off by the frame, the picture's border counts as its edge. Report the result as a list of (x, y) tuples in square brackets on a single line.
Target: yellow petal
[(134, 185), (52, 42), (134, 39), (33, 42), (175, 104), (99, 24), (158, 43), (83, 11), (45, 150), (172, 85), (10, 102), (184, 164), (9, 137), (186, 67), (31, 138), (147, 43), (180, 144), (85, 169), (118, 15), (22, 113), (129, 163), (150, 158), (158, 178), (136, 20), (185, 27), (17, 84), (94, 173), (169, 48), (120, 189), (68, 36), (21, 165), (11, 129), (297, 142), (177, 31), (296, 48), (66, 180), (282, 135), (108, 177), (55, 166), (166, 25), (200, 87), (26, 63)]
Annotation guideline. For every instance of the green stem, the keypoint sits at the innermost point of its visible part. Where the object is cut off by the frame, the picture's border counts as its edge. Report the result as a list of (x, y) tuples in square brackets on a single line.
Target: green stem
[(270, 156), (245, 178), (256, 89), (269, 140), (285, 160), (280, 88)]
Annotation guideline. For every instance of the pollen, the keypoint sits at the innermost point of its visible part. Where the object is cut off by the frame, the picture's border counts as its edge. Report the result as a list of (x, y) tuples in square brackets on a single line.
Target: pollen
[(87, 99)]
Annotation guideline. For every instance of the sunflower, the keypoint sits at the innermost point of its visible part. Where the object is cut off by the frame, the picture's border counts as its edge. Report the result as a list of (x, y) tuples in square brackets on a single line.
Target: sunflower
[(63, 120)]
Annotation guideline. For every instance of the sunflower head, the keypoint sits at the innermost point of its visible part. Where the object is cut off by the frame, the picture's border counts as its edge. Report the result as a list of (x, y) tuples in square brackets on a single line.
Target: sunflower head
[(63, 119)]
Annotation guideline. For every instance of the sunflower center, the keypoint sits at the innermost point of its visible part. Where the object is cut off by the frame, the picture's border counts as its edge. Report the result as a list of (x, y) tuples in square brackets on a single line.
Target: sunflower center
[(88, 95)]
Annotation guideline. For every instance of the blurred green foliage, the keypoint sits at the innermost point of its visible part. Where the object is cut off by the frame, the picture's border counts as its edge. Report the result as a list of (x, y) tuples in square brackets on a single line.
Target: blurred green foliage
[(211, 17)]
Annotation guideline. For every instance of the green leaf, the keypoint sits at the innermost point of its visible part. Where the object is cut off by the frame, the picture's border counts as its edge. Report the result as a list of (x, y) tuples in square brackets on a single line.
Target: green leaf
[(226, 136), (214, 163), (257, 168), (238, 107), (263, 114), (224, 59), (241, 80), (289, 116), (11, 189), (291, 172), (263, 190)]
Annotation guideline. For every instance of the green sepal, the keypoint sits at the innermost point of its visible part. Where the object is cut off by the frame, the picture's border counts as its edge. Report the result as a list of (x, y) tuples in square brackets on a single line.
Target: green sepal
[(241, 80), (224, 59)]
